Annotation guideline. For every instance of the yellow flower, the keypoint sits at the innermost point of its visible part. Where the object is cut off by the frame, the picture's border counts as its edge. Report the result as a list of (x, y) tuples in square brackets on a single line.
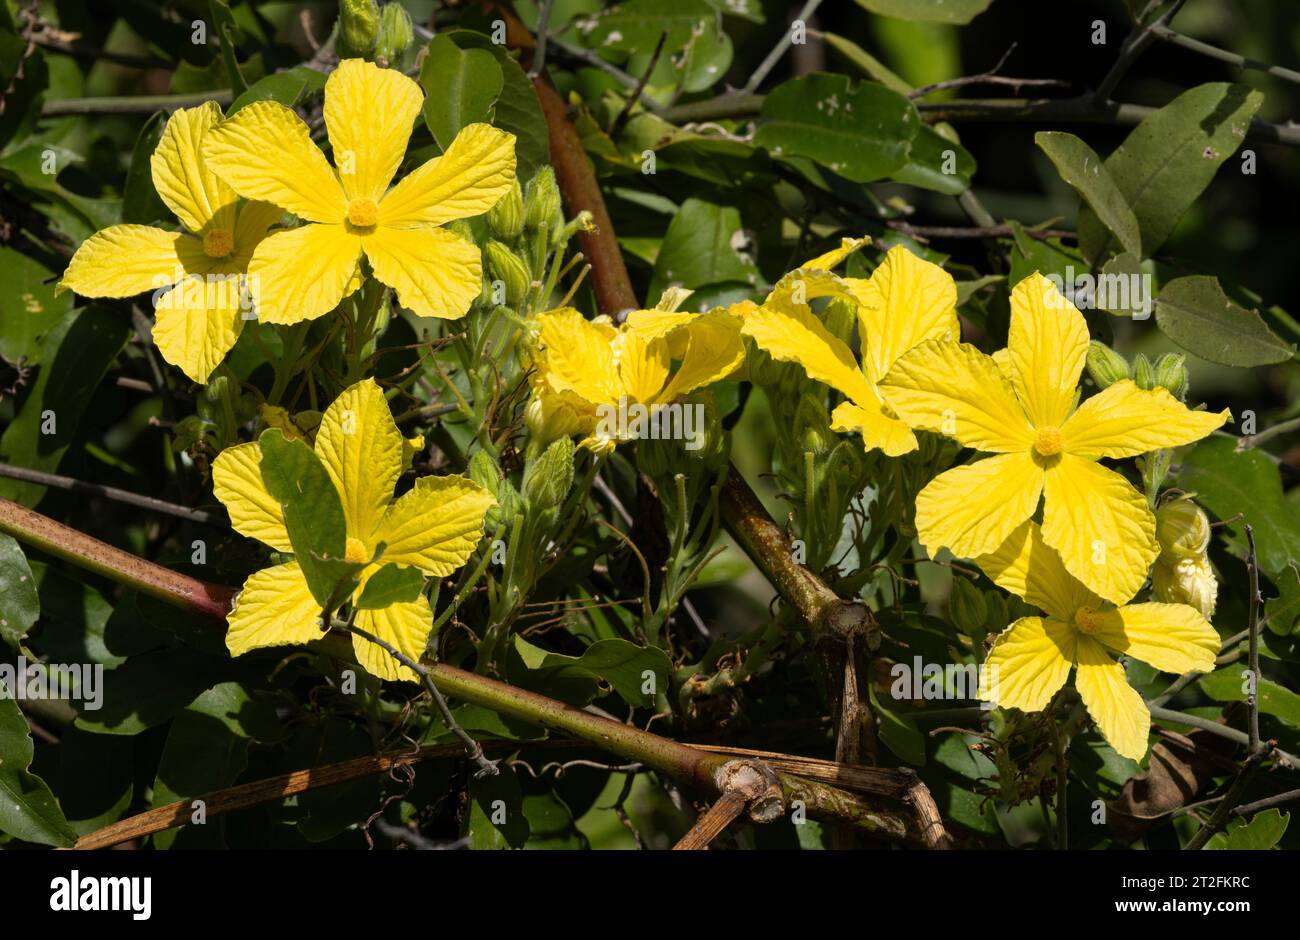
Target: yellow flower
[(199, 318), (1031, 659), (265, 151), (1020, 406), (588, 369), (906, 301), (433, 527)]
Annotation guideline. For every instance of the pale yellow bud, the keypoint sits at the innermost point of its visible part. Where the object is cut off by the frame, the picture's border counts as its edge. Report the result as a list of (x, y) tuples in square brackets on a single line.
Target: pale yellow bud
[(1186, 581), (1182, 528)]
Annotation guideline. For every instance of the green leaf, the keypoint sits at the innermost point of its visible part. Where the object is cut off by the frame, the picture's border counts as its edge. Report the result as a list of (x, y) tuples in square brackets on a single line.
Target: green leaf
[(938, 164), (391, 584), (1196, 314), (147, 690), (19, 603), (289, 88), (1084, 171), (29, 309), (141, 204), (705, 59), (1225, 685), (868, 64), (635, 26), (1283, 612), (28, 809), (899, 733), (621, 664), (928, 11), (705, 244), (863, 133), (496, 816), (1229, 482), (78, 352), (1169, 159), (229, 35), (460, 88), (313, 515), (1264, 831)]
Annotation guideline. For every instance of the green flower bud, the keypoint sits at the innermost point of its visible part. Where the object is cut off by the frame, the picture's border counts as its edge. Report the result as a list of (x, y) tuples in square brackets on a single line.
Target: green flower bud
[(812, 427), (1188, 581), (484, 471), (1105, 366), (1144, 374), (1182, 529), (506, 218), (548, 478), (542, 209), (395, 33), (966, 606), (841, 318), (1171, 373), (358, 27), (510, 270)]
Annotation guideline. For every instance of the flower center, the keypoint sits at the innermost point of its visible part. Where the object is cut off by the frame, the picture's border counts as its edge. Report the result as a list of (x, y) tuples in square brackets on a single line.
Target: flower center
[(218, 243), (355, 551), (1048, 441), (363, 213), (1087, 620)]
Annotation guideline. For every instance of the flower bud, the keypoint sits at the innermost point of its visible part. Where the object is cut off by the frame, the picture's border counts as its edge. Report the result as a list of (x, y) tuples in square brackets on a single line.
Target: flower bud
[(1144, 374), (484, 471), (966, 606), (812, 427), (548, 478), (358, 27), (1105, 366), (1182, 529), (506, 218), (1171, 373), (542, 209), (395, 33), (1186, 581), (507, 266)]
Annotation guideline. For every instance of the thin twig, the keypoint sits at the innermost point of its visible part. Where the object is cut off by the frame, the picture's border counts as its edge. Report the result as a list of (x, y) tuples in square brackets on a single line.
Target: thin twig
[(1269, 802), (543, 26), (1165, 34), (709, 826), (1254, 440), (111, 492), (783, 44), (626, 111)]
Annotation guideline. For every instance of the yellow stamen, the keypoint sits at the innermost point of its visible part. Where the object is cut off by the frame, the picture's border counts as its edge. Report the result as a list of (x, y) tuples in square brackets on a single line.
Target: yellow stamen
[(218, 243), (363, 213), (355, 551), (1087, 620), (1048, 441)]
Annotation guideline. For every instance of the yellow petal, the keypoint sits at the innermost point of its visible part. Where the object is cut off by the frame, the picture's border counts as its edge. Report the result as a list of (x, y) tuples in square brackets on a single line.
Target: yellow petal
[(1170, 637), (237, 482), (1029, 662), (1002, 358), (1124, 421), (183, 180), (369, 112), (578, 356), (265, 152), (878, 430), (1031, 569), (125, 260), (289, 290), (958, 391), (435, 526), (642, 366), (475, 172), (1100, 525), (905, 302), (1048, 343), (275, 608), (435, 273), (1120, 714), (971, 510), (405, 626), (658, 324), (252, 222), (361, 448), (833, 257), (196, 337), (790, 332), (713, 352)]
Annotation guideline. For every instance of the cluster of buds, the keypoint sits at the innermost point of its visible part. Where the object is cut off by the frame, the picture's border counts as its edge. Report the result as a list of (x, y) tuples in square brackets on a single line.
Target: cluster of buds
[(1182, 572), (366, 30), (1106, 367)]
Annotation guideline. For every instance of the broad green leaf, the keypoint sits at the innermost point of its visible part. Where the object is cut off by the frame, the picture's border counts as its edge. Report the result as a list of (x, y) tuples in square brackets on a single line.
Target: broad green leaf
[(312, 514), (1226, 685), (1283, 611), (928, 11), (141, 204), (77, 354), (96, 779), (635, 26), (1084, 171), (899, 733), (1169, 159), (148, 690), (937, 163), (1044, 255), (706, 243), (1124, 288), (1247, 482), (289, 88), (629, 669), (1263, 831), (29, 309), (460, 88), (870, 66), (705, 59), (28, 809), (19, 604), (863, 133), (496, 813), (391, 584), (1196, 314), (517, 109)]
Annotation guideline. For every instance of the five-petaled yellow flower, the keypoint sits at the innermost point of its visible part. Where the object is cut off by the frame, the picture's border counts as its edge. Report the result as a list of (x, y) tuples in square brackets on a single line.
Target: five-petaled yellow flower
[(906, 301), (587, 369), (199, 319), (1020, 406), (1031, 659), (265, 151), (433, 527)]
